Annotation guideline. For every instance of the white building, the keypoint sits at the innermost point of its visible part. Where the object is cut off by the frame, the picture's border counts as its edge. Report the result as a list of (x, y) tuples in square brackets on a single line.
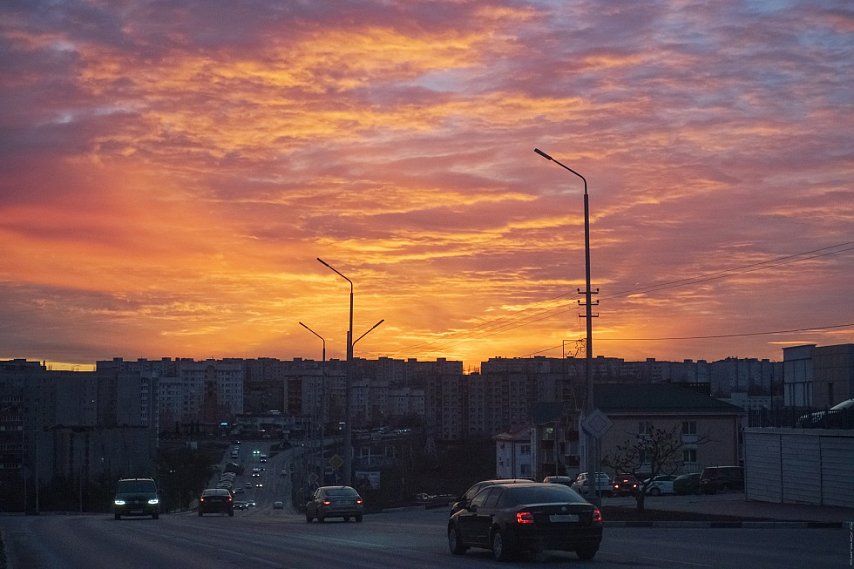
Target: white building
[(513, 456)]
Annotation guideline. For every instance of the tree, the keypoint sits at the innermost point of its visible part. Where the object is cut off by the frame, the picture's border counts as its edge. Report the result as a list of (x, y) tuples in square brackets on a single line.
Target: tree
[(654, 451)]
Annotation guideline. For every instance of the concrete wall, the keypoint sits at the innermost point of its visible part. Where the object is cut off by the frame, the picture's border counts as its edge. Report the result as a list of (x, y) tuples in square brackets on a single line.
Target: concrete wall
[(799, 466)]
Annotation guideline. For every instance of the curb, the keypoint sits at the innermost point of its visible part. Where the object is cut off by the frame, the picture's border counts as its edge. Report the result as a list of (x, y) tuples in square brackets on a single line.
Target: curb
[(726, 525)]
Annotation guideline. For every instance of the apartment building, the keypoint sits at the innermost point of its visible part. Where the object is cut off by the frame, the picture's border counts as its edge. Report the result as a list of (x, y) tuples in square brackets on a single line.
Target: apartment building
[(818, 376)]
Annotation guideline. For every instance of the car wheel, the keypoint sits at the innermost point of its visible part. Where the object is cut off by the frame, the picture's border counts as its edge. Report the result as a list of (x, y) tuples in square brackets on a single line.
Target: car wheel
[(346, 518), (359, 518), (155, 516), (725, 488), (587, 553), (455, 543), (320, 518), (654, 492), (501, 549), (118, 516)]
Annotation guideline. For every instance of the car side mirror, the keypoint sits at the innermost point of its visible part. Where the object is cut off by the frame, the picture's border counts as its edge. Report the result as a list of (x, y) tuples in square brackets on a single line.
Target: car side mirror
[(471, 507)]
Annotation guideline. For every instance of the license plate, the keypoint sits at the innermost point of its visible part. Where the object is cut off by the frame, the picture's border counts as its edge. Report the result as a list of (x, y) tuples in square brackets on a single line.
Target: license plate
[(563, 518)]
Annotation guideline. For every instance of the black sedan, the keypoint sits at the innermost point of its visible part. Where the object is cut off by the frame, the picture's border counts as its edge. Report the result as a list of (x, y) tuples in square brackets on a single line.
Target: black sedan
[(530, 517), (334, 501), (216, 500)]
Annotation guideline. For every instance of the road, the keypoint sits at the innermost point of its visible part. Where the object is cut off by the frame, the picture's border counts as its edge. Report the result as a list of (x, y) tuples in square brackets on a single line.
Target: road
[(280, 539)]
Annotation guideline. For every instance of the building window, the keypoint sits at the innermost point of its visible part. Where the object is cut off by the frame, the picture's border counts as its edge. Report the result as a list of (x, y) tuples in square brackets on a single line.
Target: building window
[(645, 428), (689, 455), (525, 449), (525, 470), (689, 427)]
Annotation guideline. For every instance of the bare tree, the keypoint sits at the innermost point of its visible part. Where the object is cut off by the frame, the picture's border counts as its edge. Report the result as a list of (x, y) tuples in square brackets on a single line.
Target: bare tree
[(655, 451)]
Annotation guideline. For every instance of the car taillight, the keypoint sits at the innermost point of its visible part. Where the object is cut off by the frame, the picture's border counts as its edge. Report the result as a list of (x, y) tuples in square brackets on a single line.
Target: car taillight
[(201, 499), (359, 501), (524, 518), (597, 515), (327, 502)]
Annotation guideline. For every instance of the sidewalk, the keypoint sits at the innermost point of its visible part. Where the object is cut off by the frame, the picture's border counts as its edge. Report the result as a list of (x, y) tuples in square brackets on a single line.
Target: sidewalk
[(752, 512)]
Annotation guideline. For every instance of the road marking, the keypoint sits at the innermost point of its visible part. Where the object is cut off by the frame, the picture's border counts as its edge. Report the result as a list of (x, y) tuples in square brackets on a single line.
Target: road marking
[(675, 561)]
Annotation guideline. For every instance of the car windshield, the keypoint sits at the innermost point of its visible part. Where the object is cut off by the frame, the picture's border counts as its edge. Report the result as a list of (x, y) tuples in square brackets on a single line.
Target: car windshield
[(135, 486), (540, 494)]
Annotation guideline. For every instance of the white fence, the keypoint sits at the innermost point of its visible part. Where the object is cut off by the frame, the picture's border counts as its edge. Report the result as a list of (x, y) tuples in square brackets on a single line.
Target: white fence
[(800, 466)]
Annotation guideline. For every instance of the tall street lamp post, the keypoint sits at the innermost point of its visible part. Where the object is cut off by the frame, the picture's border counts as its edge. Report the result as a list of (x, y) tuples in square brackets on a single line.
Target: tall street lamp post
[(348, 439), (320, 397), (592, 468)]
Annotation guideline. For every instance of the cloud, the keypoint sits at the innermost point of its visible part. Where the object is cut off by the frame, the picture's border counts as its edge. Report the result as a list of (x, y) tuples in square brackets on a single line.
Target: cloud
[(170, 172)]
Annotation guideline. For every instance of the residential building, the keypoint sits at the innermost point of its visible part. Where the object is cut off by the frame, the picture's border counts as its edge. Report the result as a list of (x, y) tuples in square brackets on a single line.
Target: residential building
[(818, 376), (513, 453), (708, 429)]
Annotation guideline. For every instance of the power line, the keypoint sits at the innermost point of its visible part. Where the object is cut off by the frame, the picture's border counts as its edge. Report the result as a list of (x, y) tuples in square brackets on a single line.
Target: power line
[(740, 335), (712, 336), (508, 323)]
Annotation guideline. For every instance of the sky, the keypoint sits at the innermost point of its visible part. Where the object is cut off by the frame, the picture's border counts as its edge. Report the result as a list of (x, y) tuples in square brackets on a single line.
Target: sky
[(170, 173)]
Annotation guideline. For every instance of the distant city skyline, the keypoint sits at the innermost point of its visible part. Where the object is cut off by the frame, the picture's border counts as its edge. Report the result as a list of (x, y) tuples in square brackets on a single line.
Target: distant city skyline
[(170, 175)]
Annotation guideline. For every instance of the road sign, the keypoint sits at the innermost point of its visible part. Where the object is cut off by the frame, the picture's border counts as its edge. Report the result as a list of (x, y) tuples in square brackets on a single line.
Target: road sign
[(596, 423), (336, 461)]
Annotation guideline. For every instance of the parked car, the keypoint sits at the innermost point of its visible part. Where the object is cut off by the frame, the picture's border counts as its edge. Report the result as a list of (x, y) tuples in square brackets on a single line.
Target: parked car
[(624, 484), (526, 517), (840, 416), (565, 480), (216, 500), (602, 484), (240, 505), (721, 478), (136, 497), (662, 484), (687, 484), (278, 505), (466, 496), (334, 501)]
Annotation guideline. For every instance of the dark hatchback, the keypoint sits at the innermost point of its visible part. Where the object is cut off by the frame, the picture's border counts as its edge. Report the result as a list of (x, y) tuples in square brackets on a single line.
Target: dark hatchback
[(216, 500), (136, 497), (721, 478), (687, 484), (526, 517)]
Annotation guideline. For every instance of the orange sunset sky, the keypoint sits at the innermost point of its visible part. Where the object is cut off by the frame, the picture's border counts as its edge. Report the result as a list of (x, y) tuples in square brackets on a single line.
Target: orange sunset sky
[(170, 171)]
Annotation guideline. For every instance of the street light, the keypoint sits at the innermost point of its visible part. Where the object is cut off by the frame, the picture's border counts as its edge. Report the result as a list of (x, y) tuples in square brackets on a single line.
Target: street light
[(371, 329), (320, 399), (348, 439), (592, 468)]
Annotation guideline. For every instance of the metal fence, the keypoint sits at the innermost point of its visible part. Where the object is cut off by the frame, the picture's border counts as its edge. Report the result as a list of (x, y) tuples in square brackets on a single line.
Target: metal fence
[(801, 418)]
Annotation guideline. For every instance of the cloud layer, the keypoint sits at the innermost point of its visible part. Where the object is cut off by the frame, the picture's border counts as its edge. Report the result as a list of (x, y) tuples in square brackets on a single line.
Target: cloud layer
[(169, 173)]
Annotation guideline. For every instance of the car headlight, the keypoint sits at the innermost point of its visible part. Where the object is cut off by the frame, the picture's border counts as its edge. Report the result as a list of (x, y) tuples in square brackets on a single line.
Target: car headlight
[(154, 501), (119, 502)]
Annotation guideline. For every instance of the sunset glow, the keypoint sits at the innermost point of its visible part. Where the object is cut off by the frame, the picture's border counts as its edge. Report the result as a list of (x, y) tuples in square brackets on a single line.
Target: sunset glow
[(171, 172)]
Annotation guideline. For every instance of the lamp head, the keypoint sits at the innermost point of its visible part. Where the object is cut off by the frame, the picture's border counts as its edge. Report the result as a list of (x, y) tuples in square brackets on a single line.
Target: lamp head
[(541, 153)]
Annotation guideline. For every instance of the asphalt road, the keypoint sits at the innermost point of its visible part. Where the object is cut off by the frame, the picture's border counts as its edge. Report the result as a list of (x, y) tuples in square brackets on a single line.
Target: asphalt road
[(279, 539)]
